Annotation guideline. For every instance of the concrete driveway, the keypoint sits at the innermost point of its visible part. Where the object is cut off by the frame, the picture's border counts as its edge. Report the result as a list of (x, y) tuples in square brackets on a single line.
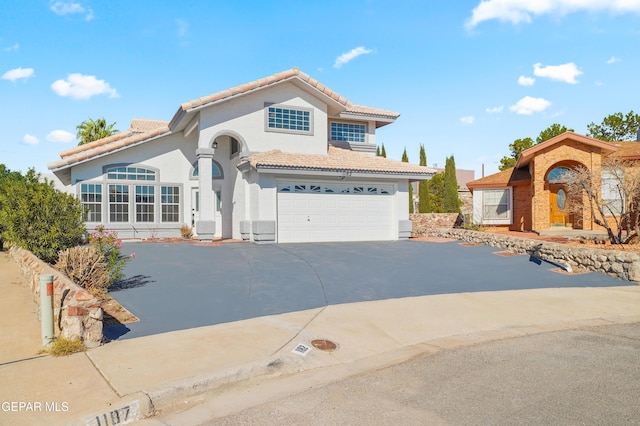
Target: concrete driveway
[(174, 286)]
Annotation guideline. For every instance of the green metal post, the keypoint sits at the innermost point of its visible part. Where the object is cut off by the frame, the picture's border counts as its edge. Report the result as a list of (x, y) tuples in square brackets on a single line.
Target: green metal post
[(46, 308)]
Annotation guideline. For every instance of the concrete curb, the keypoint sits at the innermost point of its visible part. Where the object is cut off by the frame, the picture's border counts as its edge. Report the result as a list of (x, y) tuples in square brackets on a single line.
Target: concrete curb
[(144, 404)]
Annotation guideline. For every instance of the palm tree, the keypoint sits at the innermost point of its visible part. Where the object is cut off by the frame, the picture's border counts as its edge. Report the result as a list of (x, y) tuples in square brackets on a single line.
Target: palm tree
[(91, 130)]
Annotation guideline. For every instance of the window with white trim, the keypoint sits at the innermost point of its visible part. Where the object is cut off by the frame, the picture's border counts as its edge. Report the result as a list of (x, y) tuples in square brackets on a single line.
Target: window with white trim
[(289, 119), (170, 203), (130, 173), (216, 170), (348, 132), (118, 203), (91, 198), (495, 204), (145, 202), (612, 195)]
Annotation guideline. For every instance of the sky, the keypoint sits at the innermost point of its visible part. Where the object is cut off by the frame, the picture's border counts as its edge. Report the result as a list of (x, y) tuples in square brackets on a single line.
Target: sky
[(467, 76)]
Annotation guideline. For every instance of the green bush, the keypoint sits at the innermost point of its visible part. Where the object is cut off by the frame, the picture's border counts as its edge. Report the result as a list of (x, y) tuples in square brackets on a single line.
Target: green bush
[(37, 217), (108, 244)]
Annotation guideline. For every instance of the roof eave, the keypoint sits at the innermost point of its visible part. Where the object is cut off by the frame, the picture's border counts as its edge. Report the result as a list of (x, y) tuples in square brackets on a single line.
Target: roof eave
[(340, 172)]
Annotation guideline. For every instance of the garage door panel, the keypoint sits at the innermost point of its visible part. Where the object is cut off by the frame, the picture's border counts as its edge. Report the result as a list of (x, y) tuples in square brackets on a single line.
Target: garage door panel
[(307, 217)]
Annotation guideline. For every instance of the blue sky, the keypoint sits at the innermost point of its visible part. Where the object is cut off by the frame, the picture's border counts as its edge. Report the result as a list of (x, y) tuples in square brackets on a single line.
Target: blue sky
[(468, 77)]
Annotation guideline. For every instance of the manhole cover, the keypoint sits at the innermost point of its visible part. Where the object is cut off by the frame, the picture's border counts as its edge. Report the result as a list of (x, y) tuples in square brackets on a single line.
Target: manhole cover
[(323, 345)]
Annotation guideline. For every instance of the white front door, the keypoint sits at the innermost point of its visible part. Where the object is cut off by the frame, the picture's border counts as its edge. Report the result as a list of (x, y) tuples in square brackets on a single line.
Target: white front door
[(217, 205), (335, 212)]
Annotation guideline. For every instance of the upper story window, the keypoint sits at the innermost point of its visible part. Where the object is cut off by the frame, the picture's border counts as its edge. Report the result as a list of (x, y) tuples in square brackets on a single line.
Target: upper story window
[(130, 173), (348, 132), (235, 146), (289, 119)]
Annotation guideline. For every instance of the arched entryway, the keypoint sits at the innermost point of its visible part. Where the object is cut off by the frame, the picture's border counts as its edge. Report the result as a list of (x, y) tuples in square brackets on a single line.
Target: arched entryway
[(560, 209)]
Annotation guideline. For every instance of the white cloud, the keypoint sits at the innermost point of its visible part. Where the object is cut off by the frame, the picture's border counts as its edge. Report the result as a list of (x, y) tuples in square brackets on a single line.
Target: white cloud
[(18, 73), (495, 110), (80, 86), (69, 8), (350, 55), (526, 81), (522, 11), (565, 72), (467, 120), (28, 139), (13, 48), (613, 60), (61, 136), (529, 105)]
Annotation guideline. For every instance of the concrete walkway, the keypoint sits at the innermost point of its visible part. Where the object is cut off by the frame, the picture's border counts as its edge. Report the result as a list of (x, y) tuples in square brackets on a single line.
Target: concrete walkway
[(124, 380)]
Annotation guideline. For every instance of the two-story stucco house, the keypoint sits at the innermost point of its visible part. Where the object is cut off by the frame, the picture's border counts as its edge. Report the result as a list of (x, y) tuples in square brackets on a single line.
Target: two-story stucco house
[(279, 159)]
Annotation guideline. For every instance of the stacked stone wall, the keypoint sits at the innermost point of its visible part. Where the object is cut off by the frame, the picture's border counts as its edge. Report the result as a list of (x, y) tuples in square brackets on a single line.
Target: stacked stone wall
[(77, 313), (424, 222), (621, 264)]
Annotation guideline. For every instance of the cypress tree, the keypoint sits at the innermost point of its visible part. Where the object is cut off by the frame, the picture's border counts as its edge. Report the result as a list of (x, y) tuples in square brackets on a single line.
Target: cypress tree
[(383, 153), (377, 150), (451, 200), (405, 159), (424, 203)]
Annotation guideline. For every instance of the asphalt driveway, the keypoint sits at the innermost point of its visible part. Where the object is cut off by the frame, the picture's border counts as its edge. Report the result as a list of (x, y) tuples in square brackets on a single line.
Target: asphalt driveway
[(174, 286)]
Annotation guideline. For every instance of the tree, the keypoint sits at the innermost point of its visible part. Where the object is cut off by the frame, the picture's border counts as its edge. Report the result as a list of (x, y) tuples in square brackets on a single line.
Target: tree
[(38, 217), (520, 145), (612, 197), (436, 193), (424, 202), (616, 127), (91, 130), (377, 150), (383, 152), (7, 178), (551, 132), (516, 148), (450, 196), (405, 159)]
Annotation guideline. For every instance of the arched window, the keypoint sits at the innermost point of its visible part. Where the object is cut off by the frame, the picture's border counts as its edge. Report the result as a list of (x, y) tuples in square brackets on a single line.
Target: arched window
[(216, 170), (557, 174)]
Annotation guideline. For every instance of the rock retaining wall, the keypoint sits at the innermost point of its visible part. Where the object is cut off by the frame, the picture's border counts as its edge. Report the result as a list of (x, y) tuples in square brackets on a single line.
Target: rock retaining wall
[(77, 313), (424, 222), (621, 264)]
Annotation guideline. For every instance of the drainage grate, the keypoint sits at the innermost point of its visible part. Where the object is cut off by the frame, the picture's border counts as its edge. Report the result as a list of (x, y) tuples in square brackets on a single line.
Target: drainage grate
[(324, 345)]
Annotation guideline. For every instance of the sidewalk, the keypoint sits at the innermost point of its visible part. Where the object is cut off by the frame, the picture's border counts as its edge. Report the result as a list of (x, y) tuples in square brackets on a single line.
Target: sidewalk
[(124, 380)]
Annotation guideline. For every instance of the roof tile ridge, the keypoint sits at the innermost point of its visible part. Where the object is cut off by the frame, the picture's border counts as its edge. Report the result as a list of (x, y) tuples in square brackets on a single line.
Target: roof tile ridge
[(93, 144)]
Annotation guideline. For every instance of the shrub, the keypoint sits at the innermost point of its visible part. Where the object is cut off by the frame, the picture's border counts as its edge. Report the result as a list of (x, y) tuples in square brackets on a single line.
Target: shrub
[(39, 218), (108, 244), (86, 267), (186, 231)]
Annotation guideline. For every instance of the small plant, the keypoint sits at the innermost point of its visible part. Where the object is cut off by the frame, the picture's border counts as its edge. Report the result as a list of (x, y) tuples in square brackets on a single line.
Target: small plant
[(108, 244), (186, 231), (62, 346)]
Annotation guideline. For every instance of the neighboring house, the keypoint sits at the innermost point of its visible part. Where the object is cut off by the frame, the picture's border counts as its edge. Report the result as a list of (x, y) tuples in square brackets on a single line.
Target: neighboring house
[(532, 196), (279, 159)]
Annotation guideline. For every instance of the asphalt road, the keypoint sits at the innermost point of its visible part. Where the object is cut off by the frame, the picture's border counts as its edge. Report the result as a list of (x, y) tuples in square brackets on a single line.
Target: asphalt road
[(175, 286), (589, 376)]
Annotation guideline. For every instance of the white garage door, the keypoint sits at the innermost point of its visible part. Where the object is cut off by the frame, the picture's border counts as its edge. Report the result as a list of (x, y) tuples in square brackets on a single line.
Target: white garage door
[(335, 212)]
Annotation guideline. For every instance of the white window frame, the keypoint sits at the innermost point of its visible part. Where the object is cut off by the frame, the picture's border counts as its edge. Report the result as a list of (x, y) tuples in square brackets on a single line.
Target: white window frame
[(482, 207), (349, 140), (92, 201), (611, 197), (170, 201), (289, 108)]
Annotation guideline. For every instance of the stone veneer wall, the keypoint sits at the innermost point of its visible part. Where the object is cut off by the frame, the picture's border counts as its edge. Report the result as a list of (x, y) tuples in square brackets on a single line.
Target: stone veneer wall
[(425, 222), (621, 264), (77, 313)]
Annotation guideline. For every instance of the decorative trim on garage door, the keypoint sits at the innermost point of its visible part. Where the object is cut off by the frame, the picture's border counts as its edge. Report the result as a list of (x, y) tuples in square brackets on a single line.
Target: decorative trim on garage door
[(335, 188)]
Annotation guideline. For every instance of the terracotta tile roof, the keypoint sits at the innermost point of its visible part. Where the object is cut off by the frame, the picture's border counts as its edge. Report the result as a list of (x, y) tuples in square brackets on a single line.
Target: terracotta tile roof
[(337, 159), (508, 177), (281, 76), (131, 136), (145, 124)]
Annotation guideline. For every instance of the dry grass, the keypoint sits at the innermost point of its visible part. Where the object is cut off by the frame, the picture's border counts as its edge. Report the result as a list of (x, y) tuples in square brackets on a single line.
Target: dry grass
[(86, 267), (62, 346)]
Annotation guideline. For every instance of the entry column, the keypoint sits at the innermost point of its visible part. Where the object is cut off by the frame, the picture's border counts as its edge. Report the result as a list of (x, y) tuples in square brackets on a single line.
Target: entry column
[(206, 225)]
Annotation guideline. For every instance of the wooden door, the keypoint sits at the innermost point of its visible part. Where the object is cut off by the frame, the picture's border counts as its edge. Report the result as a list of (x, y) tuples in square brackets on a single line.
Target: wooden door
[(559, 214)]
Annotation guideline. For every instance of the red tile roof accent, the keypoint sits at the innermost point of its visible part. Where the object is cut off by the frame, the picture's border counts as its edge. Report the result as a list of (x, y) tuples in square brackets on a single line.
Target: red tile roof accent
[(337, 159), (508, 177)]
